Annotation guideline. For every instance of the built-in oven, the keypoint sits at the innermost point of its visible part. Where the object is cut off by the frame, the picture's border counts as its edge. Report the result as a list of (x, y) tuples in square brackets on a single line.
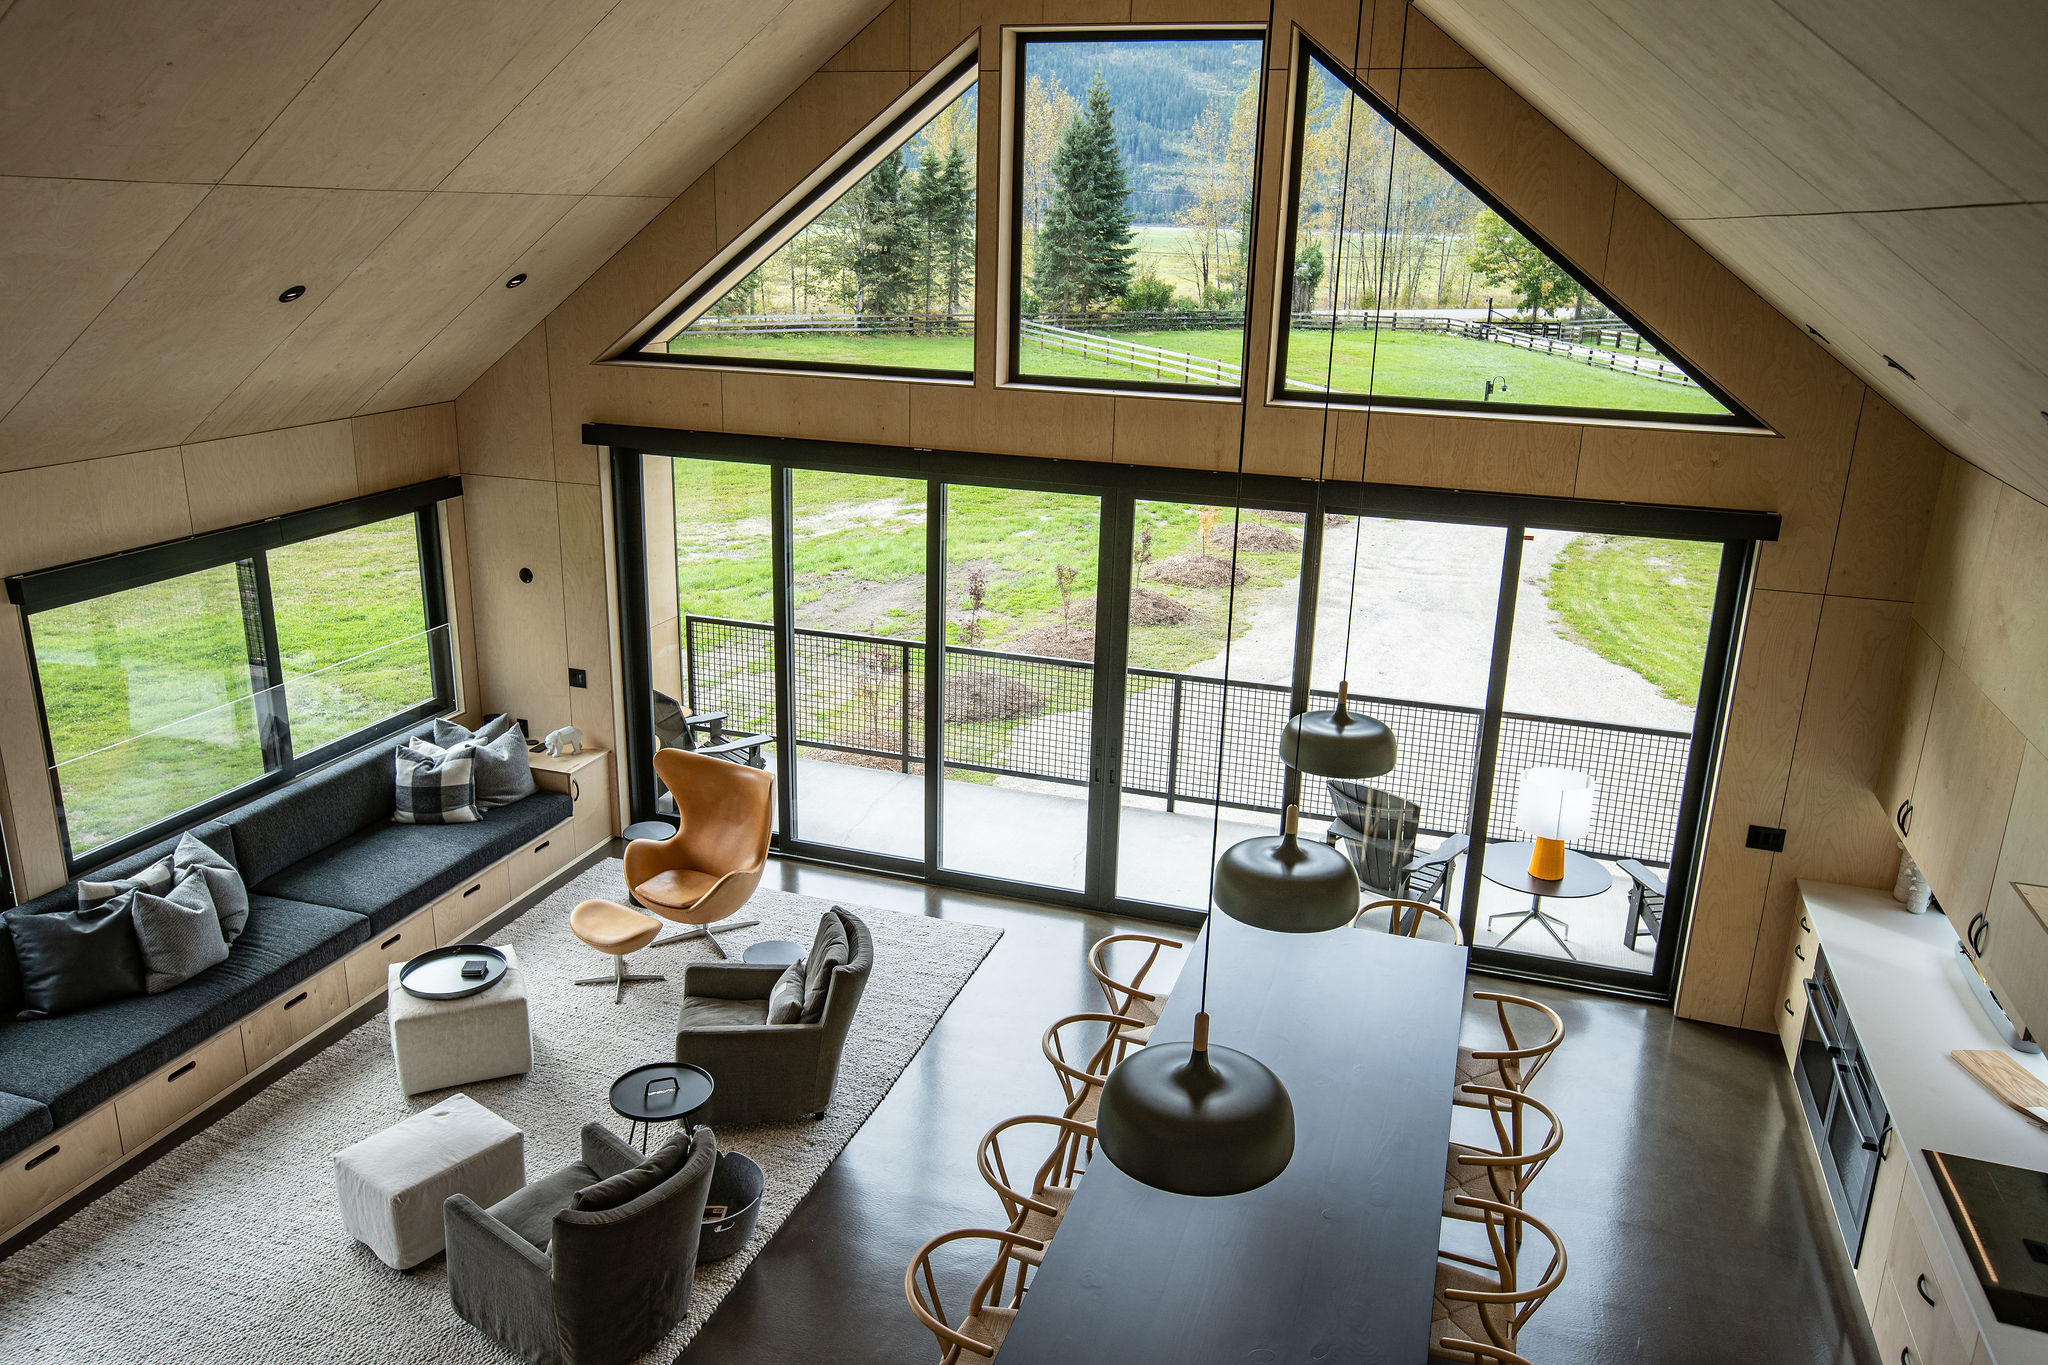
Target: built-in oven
[(1843, 1105)]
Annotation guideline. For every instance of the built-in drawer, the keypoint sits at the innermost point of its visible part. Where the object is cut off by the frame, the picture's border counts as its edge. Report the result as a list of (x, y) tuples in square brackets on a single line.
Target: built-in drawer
[(149, 1107), (539, 860), (469, 904), (1888, 1325), (296, 1014), (57, 1165), (365, 967), (1937, 1314), (1791, 1011), (1886, 1197)]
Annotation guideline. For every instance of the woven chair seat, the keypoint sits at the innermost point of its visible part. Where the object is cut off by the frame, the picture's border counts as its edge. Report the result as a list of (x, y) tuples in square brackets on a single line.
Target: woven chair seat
[(1041, 1226), (1476, 1182), (989, 1326), (1498, 1073), (1456, 1320)]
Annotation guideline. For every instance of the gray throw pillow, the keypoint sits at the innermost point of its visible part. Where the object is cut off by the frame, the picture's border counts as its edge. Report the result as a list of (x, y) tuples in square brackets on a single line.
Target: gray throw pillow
[(223, 883), (435, 787), (786, 997), (830, 949), (157, 878), (635, 1181), (71, 959), (179, 934), (504, 770)]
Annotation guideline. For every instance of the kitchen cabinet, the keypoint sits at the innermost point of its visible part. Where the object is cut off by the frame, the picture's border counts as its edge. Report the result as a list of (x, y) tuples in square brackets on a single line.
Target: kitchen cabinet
[(1954, 819), (1908, 733)]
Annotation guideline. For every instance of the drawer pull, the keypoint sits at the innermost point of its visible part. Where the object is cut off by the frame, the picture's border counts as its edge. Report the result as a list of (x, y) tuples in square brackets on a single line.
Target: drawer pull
[(542, 845), (1799, 952), (389, 941), (1805, 924), (575, 790), (1905, 1355), (295, 1000), (1921, 1285), (474, 889), (38, 1160), (181, 1070), (1788, 1007)]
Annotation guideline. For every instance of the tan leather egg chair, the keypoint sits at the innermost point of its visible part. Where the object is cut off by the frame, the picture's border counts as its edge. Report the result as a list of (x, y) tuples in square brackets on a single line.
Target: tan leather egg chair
[(710, 866)]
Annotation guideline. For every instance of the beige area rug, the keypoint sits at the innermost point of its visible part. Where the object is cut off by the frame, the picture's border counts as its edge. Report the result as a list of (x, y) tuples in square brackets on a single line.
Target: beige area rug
[(231, 1248)]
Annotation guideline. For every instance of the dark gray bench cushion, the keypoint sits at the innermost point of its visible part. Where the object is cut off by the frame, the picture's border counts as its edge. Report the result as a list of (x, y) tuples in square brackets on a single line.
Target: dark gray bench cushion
[(217, 836), (75, 1061), (294, 822), (388, 871), (22, 1121)]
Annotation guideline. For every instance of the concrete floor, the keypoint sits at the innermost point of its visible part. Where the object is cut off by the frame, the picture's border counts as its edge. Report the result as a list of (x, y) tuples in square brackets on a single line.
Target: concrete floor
[(1696, 1225)]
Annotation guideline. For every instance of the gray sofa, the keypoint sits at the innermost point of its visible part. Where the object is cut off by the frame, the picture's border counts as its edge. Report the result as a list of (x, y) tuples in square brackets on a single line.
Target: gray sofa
[(556, 1285), (326, 869)]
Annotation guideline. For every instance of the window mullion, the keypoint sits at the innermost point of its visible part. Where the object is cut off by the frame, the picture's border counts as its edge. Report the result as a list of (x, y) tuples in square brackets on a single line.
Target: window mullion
[(266, 664)]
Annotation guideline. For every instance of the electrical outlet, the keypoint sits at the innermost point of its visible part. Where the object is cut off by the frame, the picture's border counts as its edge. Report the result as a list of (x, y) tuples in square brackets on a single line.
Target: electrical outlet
[(1769, 838), (578, 678)]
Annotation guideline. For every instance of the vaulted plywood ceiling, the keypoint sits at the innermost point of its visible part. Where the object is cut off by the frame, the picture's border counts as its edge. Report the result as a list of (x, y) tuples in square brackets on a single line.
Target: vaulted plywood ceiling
[(1878, 169), (168, 169)]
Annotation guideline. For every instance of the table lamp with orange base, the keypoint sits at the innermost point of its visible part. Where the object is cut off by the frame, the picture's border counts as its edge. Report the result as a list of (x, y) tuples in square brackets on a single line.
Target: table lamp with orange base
[(1554, 805)]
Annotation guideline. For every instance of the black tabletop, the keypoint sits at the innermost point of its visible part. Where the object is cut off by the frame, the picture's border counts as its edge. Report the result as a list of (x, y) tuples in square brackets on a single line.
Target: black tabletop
[(664, 1092), (1508, 865), (1334, 1261)]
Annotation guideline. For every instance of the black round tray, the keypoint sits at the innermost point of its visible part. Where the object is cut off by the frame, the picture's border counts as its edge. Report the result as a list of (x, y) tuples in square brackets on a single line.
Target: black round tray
[(690, 1091), (436, 974)]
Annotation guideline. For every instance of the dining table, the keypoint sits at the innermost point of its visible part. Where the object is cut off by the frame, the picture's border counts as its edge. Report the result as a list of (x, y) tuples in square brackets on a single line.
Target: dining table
[(1333, 1262)]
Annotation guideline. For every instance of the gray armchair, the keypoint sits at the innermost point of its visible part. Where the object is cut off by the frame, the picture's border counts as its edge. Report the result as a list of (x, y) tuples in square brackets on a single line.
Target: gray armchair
[(615, 1280), (771, 1073)]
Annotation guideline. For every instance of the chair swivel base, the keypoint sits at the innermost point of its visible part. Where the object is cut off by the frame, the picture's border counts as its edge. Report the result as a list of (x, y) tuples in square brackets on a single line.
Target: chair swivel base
[(619, 978), (1550, 924), (703, 931)]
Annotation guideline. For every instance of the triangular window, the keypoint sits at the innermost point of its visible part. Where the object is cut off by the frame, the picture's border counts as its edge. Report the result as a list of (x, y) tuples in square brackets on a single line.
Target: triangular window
[(871, 269), (1411, 289)]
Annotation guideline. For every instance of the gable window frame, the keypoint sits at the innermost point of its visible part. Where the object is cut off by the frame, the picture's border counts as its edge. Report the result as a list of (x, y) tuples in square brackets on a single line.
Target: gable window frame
[(245, 548), (815, 195), (1736, 419), (1017, 80)]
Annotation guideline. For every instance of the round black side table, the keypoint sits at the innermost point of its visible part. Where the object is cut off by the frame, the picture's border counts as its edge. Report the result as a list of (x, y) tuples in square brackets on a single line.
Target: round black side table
[(773, 952), (1508, 865), (661, 1092)]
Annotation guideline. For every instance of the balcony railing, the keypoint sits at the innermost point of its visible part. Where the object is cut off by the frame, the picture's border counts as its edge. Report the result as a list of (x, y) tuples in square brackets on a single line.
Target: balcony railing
[(1027, 716)]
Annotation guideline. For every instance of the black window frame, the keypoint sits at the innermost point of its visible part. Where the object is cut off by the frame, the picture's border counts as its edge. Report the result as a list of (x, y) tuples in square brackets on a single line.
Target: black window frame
[(957, 75), (247, 546), (1011, 302), (1737, 418)]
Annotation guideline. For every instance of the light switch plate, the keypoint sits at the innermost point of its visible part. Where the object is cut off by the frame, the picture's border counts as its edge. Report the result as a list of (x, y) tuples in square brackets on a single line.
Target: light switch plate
[(578, 678)]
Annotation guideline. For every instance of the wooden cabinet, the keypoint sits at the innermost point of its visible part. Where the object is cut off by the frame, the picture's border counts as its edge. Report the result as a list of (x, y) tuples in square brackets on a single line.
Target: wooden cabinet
[(296, 1014), (1962, 794), (539, 859), (177, 1090), (469, 904), (1887, 1196), (52, 1168), (365, 968), (1908, 732), (1798, 967), (1936, 1313), (587, 778)]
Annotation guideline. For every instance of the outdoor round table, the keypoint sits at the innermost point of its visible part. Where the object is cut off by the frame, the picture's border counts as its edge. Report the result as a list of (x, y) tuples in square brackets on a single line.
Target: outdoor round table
[(662, 1092), (773, 952), (1508, 865)]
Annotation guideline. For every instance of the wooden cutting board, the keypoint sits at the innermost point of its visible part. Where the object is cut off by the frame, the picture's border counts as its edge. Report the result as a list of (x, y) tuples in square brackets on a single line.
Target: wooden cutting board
[(2005, 1078)]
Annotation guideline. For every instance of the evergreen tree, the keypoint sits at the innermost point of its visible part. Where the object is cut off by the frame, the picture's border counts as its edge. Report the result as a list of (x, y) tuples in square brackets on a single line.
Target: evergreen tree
[(1085, 246), (880, 241), (943, 196)]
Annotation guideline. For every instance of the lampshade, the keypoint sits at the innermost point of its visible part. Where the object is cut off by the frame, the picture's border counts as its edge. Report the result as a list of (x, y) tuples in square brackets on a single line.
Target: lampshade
[(1280, 883), (1556, 803), (1336, 743), (1195, 1119)]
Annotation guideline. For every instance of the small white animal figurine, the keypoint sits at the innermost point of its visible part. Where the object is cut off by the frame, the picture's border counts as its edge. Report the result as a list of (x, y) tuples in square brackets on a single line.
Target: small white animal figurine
[(567, 740)]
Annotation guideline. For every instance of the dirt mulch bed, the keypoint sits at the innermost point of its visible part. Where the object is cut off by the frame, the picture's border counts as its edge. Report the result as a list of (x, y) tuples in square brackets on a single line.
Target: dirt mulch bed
[(1256, 537), (1148, 608), (869, 739), (1057, 641), (1301, 518), (1195, 571), (980, 695)]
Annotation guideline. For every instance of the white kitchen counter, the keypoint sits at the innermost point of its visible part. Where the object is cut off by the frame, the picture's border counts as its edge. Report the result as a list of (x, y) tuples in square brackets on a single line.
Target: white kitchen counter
[(1910, 1007)]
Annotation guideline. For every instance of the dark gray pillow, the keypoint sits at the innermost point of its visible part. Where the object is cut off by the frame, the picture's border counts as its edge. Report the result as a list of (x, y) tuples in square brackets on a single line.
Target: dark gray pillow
[(179, 934), (435, 786), (223, 883), (830, 949), (504, 771), (630, 1184), (157, 879), (786, 997), (71, 959)]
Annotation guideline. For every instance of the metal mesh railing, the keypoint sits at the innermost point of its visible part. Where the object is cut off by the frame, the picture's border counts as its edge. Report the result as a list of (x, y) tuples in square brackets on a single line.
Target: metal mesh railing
[(861, 699)]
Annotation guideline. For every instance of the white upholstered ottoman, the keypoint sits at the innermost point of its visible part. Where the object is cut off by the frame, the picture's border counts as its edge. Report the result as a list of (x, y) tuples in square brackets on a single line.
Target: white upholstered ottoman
[(392, 1184), (439, 1043)]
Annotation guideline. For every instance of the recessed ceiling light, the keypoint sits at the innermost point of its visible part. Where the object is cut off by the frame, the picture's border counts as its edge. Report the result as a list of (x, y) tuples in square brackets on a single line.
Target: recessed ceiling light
[(1900, 368), (293, 294), (516, 280)]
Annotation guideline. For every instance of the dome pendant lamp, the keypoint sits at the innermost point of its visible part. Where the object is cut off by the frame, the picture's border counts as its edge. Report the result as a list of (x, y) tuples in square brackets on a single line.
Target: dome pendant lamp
[(1189, 1118), (1283, 884), (1196, 1119), (1336, 743)]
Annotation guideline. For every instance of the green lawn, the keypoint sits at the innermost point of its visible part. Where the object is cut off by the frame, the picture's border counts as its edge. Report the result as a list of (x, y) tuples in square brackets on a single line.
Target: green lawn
[(1644, 604)]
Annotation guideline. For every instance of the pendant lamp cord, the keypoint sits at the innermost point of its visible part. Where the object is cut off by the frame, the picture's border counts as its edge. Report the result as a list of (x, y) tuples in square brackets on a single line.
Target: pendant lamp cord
[(1244, 407)]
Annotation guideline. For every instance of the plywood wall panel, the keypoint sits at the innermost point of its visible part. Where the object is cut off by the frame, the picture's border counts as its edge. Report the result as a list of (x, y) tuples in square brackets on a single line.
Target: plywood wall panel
[(35, 852), (635, 280), (522, 649), (1539, 458), (2008, 630), (629, 395), (1054, 424), (1154, 431), (60, 513), (248, 478), (820, 408), (1894, 478), (409, 445), (1954, 571), (587, 613), (503, 419), (461, 610), (821, 116), (883, 45)]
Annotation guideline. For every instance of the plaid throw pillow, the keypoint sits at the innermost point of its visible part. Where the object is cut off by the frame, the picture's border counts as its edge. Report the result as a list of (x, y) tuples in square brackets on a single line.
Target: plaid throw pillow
[(435, 788)]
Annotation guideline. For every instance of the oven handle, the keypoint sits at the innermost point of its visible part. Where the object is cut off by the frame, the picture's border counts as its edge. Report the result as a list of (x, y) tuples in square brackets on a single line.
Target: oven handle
[(1849, 1104), (1817, 1010)]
